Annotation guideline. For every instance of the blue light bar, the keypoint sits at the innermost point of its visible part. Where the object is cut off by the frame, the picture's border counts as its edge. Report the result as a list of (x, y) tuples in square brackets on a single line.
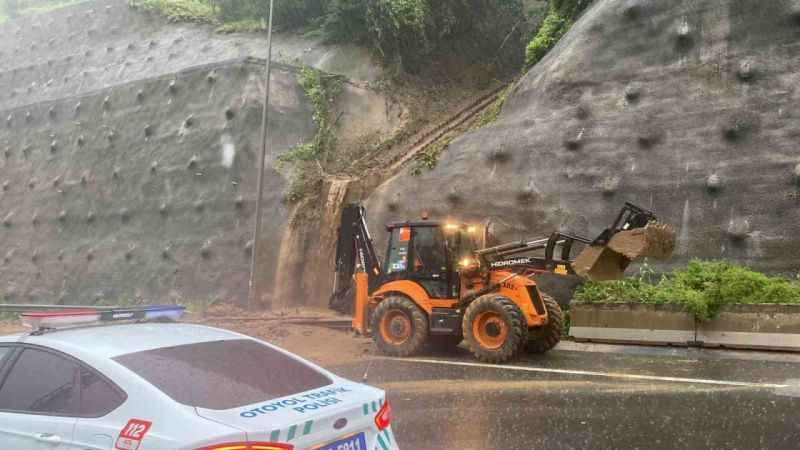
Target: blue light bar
[(165, 312), (88, 315)]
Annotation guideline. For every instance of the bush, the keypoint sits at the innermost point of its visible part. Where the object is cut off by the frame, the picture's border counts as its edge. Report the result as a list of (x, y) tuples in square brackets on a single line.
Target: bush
[(287, 13), (553, 27), (559, 19), (701, 288), (345, 21)]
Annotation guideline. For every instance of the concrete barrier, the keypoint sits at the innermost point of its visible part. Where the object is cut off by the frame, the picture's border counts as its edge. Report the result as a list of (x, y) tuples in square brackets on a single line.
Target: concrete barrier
[(632, 323), (766, 327), (773, 327)]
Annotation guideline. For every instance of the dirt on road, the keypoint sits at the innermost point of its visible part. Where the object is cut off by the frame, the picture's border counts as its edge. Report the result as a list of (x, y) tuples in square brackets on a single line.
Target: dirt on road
[(322, 345)]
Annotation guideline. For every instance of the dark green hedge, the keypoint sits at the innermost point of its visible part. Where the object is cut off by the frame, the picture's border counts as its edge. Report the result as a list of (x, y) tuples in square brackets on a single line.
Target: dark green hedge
[(702, 288)]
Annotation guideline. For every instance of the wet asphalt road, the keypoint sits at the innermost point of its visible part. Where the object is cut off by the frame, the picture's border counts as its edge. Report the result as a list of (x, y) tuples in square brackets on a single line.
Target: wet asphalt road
[(686, 398)]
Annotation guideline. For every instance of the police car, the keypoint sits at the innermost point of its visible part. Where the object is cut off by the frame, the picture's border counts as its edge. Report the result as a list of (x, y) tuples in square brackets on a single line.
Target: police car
[(75, 383)]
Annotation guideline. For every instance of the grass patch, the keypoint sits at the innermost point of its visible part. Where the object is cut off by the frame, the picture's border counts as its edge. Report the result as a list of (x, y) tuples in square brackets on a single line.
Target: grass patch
[(428, 159), (490, 114), (701, 288), (243, 26), (196, 11)]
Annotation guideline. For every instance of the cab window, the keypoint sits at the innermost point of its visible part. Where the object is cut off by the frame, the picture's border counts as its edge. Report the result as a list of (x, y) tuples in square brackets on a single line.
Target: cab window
[(430, 257), (397, 261), (40, 383)]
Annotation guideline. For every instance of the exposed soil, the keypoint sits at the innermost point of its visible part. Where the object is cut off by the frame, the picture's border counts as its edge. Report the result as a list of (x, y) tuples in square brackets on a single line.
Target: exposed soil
[(10, 327), (321, 345)]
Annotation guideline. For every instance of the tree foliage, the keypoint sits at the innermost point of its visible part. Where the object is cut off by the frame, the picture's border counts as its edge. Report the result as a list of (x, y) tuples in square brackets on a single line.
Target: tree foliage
[(404, 32)]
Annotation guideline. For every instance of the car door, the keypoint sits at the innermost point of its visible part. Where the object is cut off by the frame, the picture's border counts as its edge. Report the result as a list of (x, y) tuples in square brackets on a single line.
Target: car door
[(38, 400), (97, 429)]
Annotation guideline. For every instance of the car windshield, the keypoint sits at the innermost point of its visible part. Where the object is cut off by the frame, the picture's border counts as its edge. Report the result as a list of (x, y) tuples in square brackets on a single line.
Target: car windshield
[(242, 372)]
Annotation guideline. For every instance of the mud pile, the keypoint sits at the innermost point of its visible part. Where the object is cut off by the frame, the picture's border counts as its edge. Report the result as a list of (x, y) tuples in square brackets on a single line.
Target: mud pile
[(685, 108)]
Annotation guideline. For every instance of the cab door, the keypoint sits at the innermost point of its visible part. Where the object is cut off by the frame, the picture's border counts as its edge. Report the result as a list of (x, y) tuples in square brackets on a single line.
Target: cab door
[(429, 261), (38, 399)]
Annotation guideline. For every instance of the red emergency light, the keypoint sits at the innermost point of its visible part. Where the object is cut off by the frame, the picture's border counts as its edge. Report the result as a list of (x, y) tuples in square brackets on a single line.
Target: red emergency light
[(77, 317)]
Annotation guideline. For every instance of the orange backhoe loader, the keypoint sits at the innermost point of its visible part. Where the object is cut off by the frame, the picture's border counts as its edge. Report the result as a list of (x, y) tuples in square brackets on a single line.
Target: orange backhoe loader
[(437, 287)]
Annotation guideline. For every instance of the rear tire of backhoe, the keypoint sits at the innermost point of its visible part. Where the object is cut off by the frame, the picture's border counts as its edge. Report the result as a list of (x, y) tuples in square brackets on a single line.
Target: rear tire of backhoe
[(399, 327), (494, 328), (544, 338)]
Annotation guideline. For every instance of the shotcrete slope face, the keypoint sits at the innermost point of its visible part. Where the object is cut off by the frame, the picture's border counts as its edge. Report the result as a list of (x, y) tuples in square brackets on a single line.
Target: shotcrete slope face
[(129, 149), (93, 45), (687, 108), (145, 190)]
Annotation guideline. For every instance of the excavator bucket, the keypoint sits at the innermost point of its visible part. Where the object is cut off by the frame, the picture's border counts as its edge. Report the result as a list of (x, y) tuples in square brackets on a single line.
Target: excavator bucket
[(608, 262)]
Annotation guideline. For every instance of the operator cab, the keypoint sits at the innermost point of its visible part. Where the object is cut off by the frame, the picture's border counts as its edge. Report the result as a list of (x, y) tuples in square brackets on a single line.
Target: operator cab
[(429, 252)]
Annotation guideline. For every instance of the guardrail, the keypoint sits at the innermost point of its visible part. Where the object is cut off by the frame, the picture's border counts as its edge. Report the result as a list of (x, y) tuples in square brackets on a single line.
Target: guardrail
[(763, 327)]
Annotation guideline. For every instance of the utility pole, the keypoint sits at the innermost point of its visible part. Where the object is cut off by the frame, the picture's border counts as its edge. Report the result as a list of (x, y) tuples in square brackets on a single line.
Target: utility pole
[(253, 292)]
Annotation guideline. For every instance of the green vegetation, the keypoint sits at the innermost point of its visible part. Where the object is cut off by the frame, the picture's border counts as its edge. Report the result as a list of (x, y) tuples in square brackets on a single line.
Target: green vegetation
[(560, 17), (288, 13), (553, 27), (429, 158), (10, 9), (410, 34), (321, 90), (198, 11), (490, 114), (702, 288), (243, 26)]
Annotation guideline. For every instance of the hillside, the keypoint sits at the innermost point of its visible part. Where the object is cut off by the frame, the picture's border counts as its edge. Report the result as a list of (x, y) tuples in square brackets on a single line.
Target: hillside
[(687, 108), (129, 148), (130, 142)]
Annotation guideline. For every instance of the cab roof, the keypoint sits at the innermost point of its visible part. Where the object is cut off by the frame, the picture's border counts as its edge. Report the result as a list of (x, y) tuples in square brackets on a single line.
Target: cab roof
[(422, 223), (110, 341), (414, 223)]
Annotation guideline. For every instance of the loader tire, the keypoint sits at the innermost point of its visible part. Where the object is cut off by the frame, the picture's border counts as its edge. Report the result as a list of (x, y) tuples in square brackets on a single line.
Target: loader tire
[(399, 327), (544, 338), (494, 328)]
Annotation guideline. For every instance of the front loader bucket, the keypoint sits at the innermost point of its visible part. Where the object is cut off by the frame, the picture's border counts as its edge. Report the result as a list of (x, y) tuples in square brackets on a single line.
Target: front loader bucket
[(599, 263), (655, 240)]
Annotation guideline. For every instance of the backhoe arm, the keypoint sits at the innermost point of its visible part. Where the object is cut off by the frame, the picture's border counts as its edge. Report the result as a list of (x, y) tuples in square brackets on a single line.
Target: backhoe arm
[(355, 252)]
